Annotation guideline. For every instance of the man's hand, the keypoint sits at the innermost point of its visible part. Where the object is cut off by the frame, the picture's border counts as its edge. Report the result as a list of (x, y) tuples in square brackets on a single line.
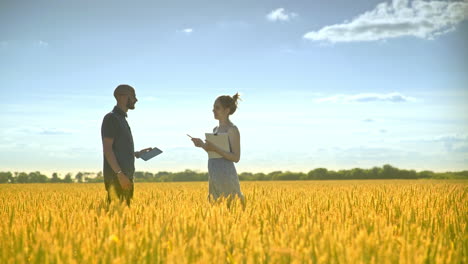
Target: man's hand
[(125, 183), (138, 153)]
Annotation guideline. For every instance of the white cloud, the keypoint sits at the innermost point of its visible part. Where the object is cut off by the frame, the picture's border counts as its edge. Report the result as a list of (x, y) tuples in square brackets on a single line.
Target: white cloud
[(418, 18), (187, 31), (369, 132), (54, 131), (38, 131), (42, 44), (461, 149), (453, 138), (451, 142), (280, 14), (367, 97), (454, 142)]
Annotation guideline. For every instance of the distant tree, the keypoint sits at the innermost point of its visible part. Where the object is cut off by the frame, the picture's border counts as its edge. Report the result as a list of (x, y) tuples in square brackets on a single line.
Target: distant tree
[(37, 177), (139, 175), (260, 177), (246, 176), (318, 174), (97, 178), (303, 176), (22, 178), (274, 175), (388, 172), (407, 174), (385, 172), (341, 174), (14, 177), (357, 173), (333, 175), (187, 175), (460, 175), (162, 176), (79, 177), (68, 178), (55, 178), (289, 176), (5, 177), (149, 177), (374, 173), (426, 174)]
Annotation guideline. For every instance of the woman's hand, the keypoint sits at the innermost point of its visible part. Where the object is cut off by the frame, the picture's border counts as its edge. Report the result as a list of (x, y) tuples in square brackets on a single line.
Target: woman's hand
[(209, 146), (198, 142)]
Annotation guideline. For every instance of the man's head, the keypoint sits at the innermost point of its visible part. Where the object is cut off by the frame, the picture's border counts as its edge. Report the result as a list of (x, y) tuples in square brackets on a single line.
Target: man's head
[(125, 96)]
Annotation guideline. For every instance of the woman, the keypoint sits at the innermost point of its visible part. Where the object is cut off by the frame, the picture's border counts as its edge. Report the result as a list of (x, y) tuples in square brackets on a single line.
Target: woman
[(223, 179)]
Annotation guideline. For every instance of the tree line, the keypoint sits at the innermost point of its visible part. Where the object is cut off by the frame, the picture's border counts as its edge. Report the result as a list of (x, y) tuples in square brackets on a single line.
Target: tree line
[(384, 172)]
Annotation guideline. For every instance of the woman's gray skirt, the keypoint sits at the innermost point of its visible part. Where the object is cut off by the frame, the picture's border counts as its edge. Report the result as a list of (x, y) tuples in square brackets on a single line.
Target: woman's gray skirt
[(223, 180)]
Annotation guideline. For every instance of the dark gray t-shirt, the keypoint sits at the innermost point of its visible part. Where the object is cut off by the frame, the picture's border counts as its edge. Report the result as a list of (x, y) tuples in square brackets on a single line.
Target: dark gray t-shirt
[(115, 126)]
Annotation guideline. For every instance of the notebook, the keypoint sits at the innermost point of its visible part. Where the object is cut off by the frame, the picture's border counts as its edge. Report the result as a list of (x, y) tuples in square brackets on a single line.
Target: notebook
[(221, 140), (150, 154)]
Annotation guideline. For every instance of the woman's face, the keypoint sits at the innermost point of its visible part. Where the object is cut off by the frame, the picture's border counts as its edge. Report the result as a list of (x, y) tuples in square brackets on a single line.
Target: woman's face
[(219, 111)]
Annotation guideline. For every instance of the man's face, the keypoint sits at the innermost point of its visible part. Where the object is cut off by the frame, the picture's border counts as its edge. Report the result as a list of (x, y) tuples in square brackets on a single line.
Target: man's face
[(131, 100)]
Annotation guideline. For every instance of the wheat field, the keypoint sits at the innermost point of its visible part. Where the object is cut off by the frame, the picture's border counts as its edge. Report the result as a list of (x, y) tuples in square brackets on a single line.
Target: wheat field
[(381, 221)]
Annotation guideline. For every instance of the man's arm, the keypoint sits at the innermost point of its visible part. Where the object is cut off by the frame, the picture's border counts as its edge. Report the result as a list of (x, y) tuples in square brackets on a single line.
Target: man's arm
[(112, 160)]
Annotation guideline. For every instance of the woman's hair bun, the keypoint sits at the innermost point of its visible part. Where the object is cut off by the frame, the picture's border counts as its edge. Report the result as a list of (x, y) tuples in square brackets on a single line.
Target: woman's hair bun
[(229, 102)]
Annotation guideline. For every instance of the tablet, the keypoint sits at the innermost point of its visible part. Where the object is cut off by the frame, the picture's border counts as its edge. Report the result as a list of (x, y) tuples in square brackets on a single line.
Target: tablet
[(150, 154)]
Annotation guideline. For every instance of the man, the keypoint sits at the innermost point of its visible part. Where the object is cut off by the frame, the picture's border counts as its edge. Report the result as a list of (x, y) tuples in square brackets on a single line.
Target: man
[(117, 141)]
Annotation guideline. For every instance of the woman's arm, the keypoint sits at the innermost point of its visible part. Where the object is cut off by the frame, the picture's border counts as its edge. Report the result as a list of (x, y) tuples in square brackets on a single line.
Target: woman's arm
[(234, 140)]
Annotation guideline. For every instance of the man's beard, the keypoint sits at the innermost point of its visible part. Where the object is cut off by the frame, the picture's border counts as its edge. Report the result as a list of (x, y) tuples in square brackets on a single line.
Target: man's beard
[(130, 105)]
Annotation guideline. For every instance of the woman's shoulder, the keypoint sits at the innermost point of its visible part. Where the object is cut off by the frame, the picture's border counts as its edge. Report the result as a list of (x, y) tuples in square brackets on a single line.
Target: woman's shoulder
[(233, 128)]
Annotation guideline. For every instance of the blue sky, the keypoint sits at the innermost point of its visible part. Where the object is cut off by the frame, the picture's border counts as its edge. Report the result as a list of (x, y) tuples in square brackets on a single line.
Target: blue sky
[(335, 84)]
